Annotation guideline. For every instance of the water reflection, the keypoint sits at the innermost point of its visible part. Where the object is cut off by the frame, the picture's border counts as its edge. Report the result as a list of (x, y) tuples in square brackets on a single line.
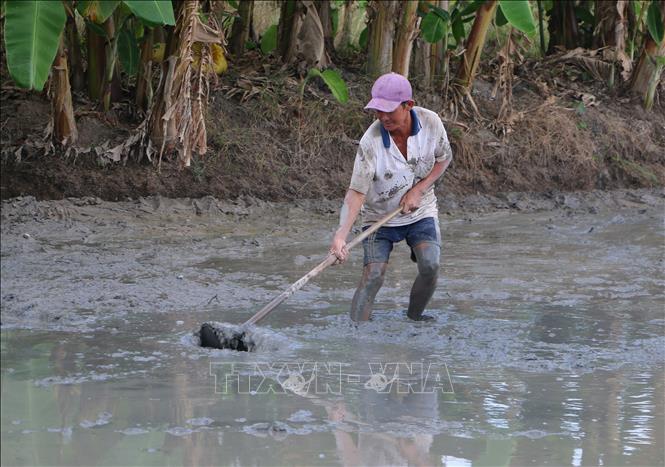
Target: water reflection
[(557, 369), (169, 413), (392, 428)]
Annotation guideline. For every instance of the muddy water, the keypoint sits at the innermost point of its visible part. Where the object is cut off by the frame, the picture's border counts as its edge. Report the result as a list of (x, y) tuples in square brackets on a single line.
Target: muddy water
[(548, 347)]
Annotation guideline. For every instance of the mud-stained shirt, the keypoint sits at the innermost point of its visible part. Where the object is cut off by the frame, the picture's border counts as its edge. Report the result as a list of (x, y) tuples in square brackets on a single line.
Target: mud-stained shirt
[(383, 175)]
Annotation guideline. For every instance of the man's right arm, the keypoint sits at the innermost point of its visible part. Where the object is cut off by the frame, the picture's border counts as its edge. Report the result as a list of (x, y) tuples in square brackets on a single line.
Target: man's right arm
[(353, 201)]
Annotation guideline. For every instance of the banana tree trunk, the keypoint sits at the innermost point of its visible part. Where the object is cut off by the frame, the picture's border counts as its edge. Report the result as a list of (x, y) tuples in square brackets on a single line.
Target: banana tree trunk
[(606, 15), (439, 55), (162, 132), (648, 72), (562, 26), (74, 48), (144, 77), (421, 62), (176, 121), (242, 27), (347, 27), (407, 29), (96, 63), (381, 30), (611, 30), (300, 35), (62, 111), (475, 44), (285, 27), (325, 15), (541, 30), (110, 50)]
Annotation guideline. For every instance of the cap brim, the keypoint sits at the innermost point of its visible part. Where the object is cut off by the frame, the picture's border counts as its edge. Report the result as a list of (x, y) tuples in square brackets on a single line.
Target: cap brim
[(382, 105)]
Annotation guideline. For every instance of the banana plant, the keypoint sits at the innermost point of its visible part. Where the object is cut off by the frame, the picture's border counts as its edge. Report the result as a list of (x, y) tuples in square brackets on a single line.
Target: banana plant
[(406, 31), (241, 27), (332, 79), (32, 38), (33, 35), (33, 29), (102, 18), (651, 62), (448, 26), (475, 43), (517, 14)]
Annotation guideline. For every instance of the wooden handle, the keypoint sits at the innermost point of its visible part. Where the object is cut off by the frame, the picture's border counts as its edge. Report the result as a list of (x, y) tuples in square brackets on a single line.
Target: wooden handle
[(330, 259)]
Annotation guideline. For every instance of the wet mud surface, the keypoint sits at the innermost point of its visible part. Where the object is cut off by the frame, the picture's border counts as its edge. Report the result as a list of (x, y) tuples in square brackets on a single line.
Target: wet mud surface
[(548, 346)]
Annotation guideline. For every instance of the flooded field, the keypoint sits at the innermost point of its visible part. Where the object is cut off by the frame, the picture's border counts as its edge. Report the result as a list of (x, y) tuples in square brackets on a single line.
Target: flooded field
[(548, 349)]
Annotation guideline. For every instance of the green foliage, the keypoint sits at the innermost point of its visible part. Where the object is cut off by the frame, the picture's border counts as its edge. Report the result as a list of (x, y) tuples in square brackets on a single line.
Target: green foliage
[(580, 108), (198, 170), (548, 4), (334, 16), (128, 52), (32, 37), (455, 132), (96, 28), (269, 40), (458, 28), (153, 12), (472, 7), (33, 29), (443, 14), (334, 82), (655, 22), (433, 27), (584, 15), (636, 5), (362, 40), (438, 23), (518, 13), (500, 19), (97, 11), (634, 168), (461, 14)]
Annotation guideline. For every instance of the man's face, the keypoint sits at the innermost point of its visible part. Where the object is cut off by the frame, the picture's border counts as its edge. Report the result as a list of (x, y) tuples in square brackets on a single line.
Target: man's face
[(397, 119)]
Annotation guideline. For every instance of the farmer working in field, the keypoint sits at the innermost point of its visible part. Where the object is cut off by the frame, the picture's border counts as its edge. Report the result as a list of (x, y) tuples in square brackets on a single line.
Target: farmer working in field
[(399, 158)]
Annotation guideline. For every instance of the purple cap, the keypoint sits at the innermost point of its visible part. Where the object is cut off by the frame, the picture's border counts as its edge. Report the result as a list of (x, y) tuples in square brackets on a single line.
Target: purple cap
[(389, 91)]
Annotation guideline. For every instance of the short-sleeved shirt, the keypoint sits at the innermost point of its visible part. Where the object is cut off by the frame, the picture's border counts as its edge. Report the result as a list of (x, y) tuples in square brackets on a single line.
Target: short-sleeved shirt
[(383, 175)]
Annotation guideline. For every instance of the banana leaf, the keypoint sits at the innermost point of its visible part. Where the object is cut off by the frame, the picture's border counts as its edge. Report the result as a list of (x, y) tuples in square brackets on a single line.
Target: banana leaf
[(154, 12), (32, 36)]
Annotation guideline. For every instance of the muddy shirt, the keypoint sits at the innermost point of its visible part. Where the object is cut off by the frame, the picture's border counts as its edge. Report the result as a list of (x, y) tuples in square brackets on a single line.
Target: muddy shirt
[(383, 175)]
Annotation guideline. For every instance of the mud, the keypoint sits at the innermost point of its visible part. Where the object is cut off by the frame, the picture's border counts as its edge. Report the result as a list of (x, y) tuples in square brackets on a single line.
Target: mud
[(548, 345)]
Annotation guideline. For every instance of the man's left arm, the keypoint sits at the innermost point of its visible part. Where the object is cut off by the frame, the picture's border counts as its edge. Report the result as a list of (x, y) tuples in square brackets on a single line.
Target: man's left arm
[(443, 155), (412, 199)]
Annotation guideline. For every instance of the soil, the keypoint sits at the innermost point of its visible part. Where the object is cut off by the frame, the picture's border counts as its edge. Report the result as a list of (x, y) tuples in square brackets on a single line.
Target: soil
[(548, 334), (159, 255), (564, 133)]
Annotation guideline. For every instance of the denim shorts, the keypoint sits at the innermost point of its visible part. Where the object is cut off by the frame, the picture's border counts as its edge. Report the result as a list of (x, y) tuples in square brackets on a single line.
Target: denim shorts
[(379, 245)]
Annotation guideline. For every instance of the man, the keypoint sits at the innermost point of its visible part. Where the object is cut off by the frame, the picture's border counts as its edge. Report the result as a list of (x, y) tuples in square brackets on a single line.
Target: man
[(399, 158)]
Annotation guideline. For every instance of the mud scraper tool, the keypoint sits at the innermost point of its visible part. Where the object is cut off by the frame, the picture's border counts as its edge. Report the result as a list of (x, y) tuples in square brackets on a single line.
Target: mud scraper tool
[(234, 337)]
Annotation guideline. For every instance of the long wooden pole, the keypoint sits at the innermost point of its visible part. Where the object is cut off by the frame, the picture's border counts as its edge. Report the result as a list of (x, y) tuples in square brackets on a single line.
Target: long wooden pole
[(330, 259)]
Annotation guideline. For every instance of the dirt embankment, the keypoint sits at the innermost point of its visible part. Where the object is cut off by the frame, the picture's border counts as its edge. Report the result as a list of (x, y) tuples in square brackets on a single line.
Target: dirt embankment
[(563, 133)]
